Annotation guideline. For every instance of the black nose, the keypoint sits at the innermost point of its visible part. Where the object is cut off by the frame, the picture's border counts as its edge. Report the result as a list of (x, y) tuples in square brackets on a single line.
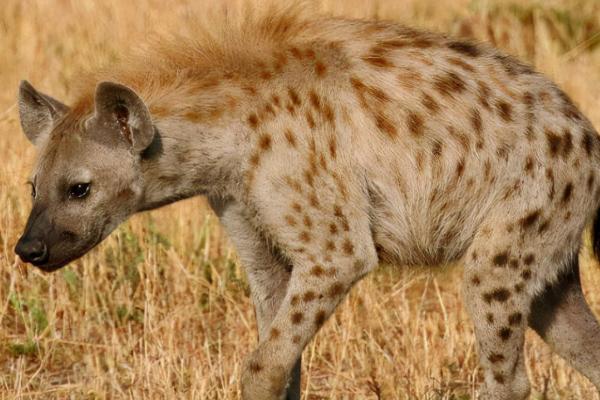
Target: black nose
[(33, 251)]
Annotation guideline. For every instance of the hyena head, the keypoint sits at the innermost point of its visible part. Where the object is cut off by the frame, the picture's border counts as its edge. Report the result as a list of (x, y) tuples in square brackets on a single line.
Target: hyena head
[(87, 177)]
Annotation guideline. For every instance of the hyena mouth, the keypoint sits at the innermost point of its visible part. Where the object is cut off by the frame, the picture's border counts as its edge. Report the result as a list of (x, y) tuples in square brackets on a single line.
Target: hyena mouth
[(50, 267), (80, 251)]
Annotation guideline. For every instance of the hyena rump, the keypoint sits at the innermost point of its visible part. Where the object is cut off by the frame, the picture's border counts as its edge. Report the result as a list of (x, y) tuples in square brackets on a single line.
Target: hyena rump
[(326, 145)]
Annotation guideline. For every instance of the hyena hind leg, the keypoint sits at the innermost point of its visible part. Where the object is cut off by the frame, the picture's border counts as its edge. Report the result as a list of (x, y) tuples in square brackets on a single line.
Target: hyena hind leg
[(496, 277), (562, 317)]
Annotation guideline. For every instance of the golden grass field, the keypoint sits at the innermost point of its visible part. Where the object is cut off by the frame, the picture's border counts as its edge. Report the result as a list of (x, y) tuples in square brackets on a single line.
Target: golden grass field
[(161, 310)]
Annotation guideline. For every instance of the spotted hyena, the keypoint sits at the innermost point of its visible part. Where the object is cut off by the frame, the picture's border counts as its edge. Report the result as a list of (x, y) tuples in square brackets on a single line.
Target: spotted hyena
[(327, 145)]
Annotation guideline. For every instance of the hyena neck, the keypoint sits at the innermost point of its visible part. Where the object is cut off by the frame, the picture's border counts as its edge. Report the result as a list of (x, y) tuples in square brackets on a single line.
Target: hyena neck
[(187, 159)]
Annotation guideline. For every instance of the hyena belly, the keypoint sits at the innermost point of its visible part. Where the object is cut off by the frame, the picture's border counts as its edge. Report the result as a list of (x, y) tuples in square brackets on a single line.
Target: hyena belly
[(514, 149), (426, 212)]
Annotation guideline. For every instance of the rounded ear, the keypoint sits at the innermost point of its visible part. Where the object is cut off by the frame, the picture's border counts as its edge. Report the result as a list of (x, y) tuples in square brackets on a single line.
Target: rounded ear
[(123, 110), (38, 112)]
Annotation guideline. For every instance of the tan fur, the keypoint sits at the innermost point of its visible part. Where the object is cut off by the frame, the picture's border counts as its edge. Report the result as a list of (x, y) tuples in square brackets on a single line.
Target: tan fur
[(328, 145)]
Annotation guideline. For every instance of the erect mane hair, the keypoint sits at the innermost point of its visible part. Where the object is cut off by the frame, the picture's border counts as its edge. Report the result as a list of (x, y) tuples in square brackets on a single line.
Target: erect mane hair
[(177, 66)]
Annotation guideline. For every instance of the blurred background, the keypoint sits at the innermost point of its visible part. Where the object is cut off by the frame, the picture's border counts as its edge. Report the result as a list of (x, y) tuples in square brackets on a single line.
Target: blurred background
[(162, 310)]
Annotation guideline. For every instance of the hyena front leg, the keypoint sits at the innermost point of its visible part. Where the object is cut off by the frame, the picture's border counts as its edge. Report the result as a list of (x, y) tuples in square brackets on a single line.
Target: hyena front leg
[(268, 274), (562, 317), (496, 293), (328, 240)]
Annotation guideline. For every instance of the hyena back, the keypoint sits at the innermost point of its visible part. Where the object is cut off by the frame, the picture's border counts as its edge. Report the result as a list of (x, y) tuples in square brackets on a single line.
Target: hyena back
[(326, 146)]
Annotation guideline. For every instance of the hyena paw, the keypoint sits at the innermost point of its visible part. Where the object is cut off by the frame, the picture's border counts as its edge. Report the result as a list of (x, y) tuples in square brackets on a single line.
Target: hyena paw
[(262, 380)]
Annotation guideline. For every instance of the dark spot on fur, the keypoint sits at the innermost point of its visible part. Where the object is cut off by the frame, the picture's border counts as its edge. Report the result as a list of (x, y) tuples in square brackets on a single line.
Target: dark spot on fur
[(461, 63), (317, 271), (309, 296), (415, 124), (305, 236), (348, 247), (430, 103), (328, 113), (269, 109), (255, 159), (554, 142), (294, 96), (544, 226), (436, 150), (291, 139), (422, 43), (320, 68), (530, 219), (291, 221), (499, 378), (504, 110), (512, 66), (449, 84), (519, 287), (529, 165), (495, 358), (329, 245), (384, 125), (377, 61), (320, 318), (333, 229), (567, 143), (529, 259), (315, 100), (567, 193), (504, 333), (255, 367), (336, 290), (476, 121), (500, 259), (337, 211), (296, 207), (500, 295), (310, 120), (550, 177), (464, 48), (333, 147), (265, 142), (587, 141), (294, 300), (275, 333), (378, 94), (484, 95), (297, 317), (515, 319), (253, 120), (460, 168)]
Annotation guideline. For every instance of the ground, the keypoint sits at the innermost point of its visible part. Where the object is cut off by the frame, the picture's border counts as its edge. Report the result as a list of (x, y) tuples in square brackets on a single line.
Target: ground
[(161, 309)]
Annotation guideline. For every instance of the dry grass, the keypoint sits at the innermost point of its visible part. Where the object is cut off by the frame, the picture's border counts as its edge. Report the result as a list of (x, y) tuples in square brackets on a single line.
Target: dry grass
[(161, 310)]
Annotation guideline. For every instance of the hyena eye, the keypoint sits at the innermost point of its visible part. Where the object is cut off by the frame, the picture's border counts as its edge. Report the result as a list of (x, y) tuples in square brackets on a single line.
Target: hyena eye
[(33, 192), (79, 190)]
